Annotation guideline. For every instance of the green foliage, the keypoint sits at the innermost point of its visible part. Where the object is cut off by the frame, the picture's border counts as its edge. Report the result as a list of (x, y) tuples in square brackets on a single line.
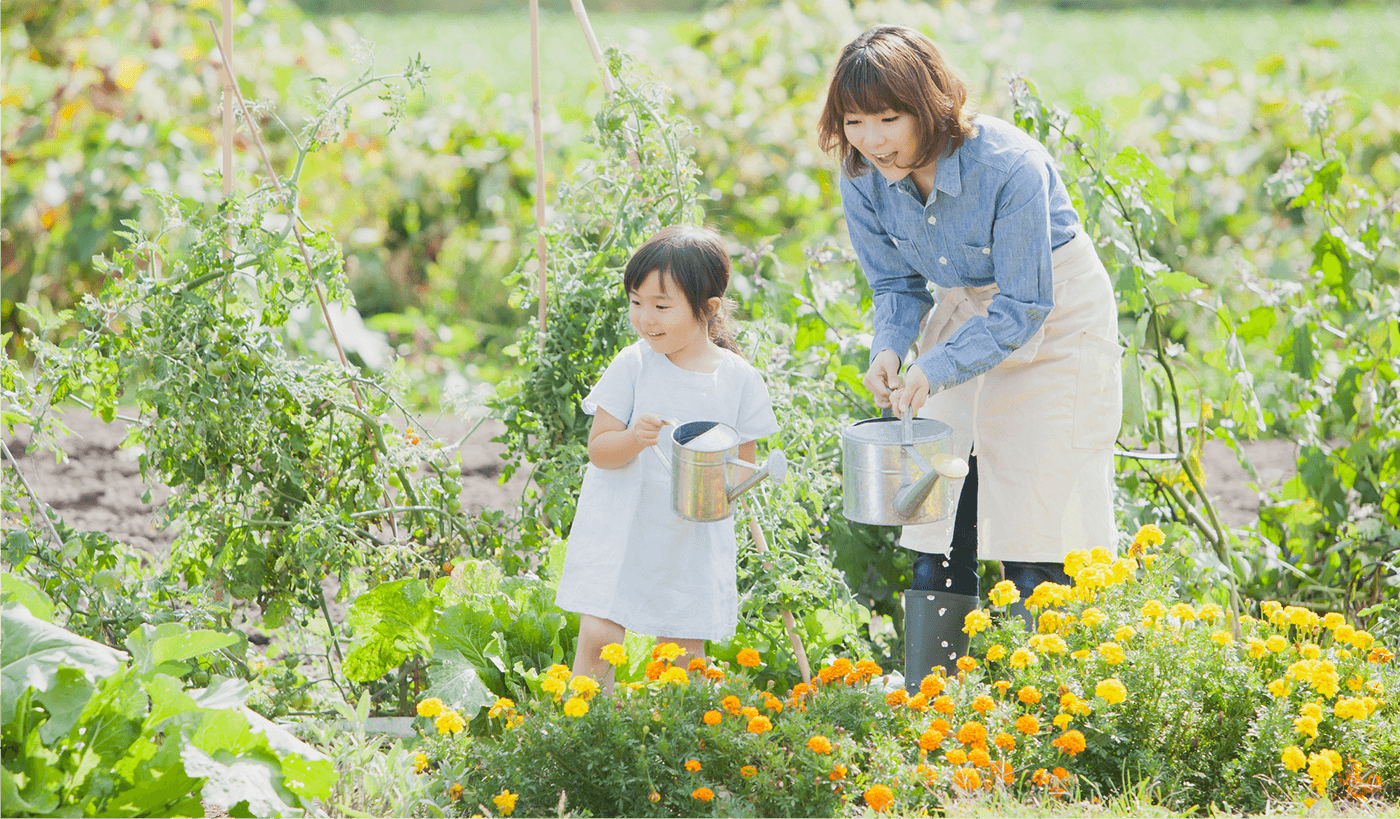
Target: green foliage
[(87, 733)]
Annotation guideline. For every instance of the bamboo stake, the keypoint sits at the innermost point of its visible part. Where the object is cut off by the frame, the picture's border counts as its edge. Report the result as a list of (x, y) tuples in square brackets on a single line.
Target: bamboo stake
[(541, 250), (226, 44), (609, 83), (761, 544)]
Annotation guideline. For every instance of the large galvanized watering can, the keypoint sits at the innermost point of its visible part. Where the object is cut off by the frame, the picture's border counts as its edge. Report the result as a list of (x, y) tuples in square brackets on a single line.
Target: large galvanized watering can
[(704, 463), (898, 472)]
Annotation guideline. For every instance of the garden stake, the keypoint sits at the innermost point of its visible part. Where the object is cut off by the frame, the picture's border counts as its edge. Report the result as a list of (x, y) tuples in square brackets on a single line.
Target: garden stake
[(761, 544), (39, 504), (609, 84), (540, 249)]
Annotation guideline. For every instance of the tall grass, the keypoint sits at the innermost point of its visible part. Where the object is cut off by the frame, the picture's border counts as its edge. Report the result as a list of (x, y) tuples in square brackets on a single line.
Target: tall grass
[(1073, 56)]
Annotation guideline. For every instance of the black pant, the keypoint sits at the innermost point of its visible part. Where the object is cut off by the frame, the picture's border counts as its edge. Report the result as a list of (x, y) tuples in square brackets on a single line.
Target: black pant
[(957, 571)]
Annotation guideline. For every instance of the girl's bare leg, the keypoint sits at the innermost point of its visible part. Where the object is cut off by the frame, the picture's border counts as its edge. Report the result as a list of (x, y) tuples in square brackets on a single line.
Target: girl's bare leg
[(593, 634), (692, 649)]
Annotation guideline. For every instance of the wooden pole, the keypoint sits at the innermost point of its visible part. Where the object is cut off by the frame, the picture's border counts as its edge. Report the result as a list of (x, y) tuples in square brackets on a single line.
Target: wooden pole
[(609, 83), (540, 248), (761, 544), (227, 49)]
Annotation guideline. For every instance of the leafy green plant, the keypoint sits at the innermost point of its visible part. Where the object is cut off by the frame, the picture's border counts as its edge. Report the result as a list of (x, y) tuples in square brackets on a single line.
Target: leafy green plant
[(86, 731)]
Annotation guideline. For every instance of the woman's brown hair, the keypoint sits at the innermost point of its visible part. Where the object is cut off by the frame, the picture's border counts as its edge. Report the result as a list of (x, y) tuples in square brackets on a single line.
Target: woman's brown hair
[(894, 68)]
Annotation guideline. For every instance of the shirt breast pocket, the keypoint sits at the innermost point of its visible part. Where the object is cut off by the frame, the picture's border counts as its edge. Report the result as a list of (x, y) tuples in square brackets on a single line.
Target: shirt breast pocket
[(977, 265)]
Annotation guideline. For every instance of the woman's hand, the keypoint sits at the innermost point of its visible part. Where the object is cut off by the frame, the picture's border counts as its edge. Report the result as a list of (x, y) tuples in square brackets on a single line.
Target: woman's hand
[(911, 397), (882, 377)]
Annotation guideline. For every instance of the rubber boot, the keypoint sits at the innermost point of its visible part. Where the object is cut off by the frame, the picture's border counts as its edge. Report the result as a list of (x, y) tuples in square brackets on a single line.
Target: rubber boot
[(933, 633)]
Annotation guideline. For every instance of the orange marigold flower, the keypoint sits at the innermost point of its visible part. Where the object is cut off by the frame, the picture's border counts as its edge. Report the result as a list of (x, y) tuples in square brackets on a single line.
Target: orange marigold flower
[(979, 757), (972, 733), (773, 704), (930, 740), (697, 664), (918, 702), (1071, 742), (748, 772), (867, 668), (1028, 694), (1001, 772), (703, 794), (731, 704), (1380, 655), (801, 690), (837, 774), (1005, 741), (714, 673), (692, 765), (655, 669), (941, 726), (943, 704), (879, 798), (748, 711), (1027, 724), (1040, 777), (932, 685), (749, 658), (966, 664), (819, 745), (967, 779), (759, 724), (983, 703), (897, 697), (957, 756), (712, 718)]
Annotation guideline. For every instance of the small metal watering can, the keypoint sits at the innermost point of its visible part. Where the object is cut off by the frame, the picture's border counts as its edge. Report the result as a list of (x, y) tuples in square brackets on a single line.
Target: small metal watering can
[(704, 458), (877, 484)]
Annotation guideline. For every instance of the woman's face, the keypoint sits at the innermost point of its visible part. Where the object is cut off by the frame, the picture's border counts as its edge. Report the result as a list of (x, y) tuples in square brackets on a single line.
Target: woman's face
[(887, 139)]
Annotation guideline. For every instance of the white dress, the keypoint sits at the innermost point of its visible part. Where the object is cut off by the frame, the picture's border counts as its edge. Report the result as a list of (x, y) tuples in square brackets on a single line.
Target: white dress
[(630, 558)]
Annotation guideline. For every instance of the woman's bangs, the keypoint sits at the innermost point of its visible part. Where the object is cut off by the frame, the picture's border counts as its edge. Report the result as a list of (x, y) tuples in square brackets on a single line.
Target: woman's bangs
[(862, 89)]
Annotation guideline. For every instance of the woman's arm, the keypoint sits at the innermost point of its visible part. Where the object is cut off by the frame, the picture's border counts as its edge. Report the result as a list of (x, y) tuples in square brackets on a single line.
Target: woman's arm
[(612, 444)]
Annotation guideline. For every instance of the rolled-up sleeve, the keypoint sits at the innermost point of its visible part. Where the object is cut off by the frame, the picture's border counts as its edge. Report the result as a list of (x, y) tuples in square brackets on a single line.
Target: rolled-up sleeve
[(900, 293), (1024, 275)]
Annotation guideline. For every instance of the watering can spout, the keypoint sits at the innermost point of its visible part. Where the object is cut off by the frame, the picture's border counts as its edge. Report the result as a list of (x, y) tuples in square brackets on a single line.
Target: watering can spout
[(911, 495), (775, 467)]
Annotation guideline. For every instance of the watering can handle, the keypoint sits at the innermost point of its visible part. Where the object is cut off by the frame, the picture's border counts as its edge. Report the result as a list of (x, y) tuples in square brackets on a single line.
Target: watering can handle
[(656, 447)]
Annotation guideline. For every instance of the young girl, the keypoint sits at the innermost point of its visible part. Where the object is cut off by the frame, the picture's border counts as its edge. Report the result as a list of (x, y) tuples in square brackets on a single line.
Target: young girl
[(632, 563)]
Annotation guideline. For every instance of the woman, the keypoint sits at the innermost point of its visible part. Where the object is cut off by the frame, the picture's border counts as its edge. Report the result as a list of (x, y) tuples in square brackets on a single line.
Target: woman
[(1018, 354)]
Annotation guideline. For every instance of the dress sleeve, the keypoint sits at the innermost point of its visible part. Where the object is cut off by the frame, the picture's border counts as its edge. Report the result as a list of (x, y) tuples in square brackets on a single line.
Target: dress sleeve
[(1024, 274), (616, 389), (900, 293), (755, 419)]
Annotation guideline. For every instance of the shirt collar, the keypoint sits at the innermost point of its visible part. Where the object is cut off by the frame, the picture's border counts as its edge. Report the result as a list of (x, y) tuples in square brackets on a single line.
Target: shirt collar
[(947, 178)]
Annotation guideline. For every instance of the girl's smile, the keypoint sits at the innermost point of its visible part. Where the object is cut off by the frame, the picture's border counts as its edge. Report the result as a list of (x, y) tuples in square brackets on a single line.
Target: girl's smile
[(662, 316)]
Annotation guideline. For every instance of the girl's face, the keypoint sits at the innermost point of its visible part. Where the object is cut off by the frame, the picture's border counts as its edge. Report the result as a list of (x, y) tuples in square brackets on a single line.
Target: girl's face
[(661, 315), (887, 139)]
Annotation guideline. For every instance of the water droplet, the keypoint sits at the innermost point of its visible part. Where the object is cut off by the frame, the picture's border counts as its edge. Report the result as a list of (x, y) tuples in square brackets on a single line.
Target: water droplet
[(945, 643), (941, 612)]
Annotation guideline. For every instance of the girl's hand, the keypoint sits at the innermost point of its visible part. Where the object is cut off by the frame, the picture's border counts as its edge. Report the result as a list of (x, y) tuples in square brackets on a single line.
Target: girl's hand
[(882, 377), (647, 429), (911, 397)]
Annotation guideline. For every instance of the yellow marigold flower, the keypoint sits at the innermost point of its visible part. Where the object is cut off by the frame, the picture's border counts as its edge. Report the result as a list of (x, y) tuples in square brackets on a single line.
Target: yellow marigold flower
[(759, 724), (930, 740), (692, 765), (918, 702), (1331, 620), (1001, 686), (1071, 742), (957, 756), (996, 652), (1123, 634), (576, 707), (731, 704), (1306, 726), (983, 703), (654, 797), (430, 707), (1327, 685), (455, 792), (976, 621), (1276, 643), (1311, 709), (666, 651), (1149, 535), (558, 671), (1361, 640), (1004, 593), (1310, 650), (1062, 721), (505, 802), (1279, 687), (931, 685), (697, 664), (674, 675), (1182, 612), (502, 705), (1048, 594), (1081, 654), (879, 798), (1256, 648), (1005, 741), (1293, 758), (1112, 653), (614, 654), (819, 745), (1223, 638), (1075, 561), (979, 757), (1050, 620), (1153, 610), (583, 686), (1027, 724), (748, 772), (1211, 613), (837, 774), (1028, 694), (703, 794), (972, 733), (1021, 657), (749, 658), (1111, 691), (554, 686), (420, 763), (1093, 617), (449, 722), (897, 697), (1302, 618), (712, 718), (966, 664), (1350, 708)]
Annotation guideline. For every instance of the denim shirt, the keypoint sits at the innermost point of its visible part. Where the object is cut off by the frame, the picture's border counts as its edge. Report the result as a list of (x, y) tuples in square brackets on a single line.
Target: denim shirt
[(997, 211)]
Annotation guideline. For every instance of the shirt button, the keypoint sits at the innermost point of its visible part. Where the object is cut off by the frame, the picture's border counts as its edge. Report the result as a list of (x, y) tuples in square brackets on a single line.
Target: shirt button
[(942, 259), (933, 220), (986, 251)]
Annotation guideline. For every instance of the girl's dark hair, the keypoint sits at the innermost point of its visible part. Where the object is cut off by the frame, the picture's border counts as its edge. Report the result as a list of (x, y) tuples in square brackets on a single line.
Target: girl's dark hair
[(696, 260), (895, 68)]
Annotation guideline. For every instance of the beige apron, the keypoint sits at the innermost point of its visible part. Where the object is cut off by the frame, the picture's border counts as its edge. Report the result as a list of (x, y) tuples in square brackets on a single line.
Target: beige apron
[(1043, 422)]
